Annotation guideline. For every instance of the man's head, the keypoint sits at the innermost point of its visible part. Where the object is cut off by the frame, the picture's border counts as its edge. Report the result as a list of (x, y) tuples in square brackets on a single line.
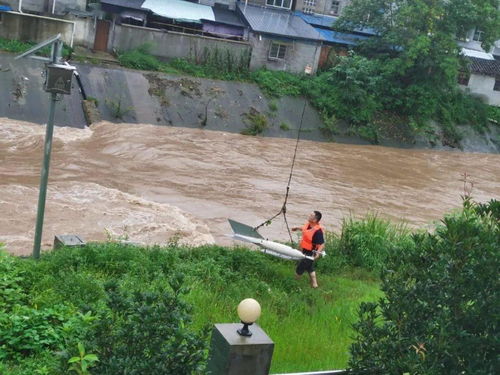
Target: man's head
[(314, 217)]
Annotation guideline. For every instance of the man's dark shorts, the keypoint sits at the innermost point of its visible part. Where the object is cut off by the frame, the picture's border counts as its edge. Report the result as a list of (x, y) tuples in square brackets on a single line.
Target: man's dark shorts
[(305, 264)]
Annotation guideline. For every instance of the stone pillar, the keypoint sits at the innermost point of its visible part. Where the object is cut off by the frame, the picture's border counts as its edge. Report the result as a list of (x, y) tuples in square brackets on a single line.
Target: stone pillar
[(232, 354)]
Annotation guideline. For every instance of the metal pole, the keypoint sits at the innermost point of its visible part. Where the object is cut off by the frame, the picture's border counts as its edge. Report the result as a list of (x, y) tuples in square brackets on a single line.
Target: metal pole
[(44, 176)]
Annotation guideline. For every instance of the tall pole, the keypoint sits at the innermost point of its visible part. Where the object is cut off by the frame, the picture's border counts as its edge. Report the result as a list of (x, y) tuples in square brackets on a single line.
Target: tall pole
[(44, 176)]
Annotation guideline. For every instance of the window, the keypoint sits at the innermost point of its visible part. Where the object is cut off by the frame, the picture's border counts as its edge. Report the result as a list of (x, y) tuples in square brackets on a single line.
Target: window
[(277, 51), (309, 6), (497, 83), (462, 36), (463, 78), (478, 35), (280, 3), (335, 7)]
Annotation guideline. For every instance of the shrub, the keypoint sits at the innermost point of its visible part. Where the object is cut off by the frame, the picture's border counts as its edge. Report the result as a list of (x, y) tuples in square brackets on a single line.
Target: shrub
[(146, 333), (273, 106), (370, 241), (278, 83), (140, 58), (256, 124), (284, 126), (439, 312)]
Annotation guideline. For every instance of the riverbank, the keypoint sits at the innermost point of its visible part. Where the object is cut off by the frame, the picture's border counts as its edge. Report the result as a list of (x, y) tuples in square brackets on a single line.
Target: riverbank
[(132, 96), (73, 291)]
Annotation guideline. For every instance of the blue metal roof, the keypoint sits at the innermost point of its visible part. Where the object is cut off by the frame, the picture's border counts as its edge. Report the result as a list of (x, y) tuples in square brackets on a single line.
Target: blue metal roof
[(340, 38), (328, 21), (317, 19), (5, 8)]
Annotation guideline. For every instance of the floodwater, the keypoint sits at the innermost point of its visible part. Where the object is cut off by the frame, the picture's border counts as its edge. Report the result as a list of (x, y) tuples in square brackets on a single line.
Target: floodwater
[(155, 184)]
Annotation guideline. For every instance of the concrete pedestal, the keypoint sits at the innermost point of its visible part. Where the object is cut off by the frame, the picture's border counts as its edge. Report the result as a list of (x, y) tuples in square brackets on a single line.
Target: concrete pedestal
[(61, 240), (232, 354)]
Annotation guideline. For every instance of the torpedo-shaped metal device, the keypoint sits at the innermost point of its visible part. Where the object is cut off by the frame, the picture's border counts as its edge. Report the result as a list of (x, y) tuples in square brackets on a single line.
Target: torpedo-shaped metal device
[(245, 233)]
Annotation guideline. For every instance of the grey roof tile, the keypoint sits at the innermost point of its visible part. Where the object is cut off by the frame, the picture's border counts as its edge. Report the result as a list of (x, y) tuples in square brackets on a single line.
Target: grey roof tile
[(484, 67), (277, 22)]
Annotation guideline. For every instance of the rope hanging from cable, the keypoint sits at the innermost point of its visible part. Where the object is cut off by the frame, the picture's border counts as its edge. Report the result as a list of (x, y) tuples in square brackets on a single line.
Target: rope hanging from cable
[(283, 207)]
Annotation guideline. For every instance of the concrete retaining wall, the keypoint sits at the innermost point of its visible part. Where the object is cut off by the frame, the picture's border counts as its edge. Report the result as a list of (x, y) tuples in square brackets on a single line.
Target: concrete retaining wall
[(171, 44), (31, 28), (84, 32)]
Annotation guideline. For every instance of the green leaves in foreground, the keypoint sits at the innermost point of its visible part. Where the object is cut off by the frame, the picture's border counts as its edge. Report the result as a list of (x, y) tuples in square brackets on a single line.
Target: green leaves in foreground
[(440, 310), (82, 362), (146, 333)]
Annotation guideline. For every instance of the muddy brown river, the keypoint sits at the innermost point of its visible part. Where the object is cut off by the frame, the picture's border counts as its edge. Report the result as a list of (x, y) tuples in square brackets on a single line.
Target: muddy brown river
[(156, 184)]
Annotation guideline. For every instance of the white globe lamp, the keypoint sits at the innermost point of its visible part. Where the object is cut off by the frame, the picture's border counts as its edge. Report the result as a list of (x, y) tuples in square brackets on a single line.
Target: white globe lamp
[(249, 311)]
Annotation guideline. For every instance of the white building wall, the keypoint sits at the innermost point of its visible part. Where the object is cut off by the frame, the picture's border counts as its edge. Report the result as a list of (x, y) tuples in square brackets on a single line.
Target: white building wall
[(482, 86)]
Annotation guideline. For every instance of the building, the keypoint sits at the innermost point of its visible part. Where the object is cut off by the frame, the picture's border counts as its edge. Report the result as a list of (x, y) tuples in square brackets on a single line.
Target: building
[(326, 7), (47, 7), (280, 39), (482, 79)]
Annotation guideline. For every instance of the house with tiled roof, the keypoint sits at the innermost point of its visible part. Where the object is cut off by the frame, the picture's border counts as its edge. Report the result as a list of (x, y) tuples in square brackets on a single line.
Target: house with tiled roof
[(481, 78), (280, 39)]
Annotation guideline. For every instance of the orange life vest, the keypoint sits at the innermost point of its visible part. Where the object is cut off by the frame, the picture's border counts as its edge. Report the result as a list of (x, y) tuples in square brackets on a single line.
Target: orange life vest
[(308, 235)]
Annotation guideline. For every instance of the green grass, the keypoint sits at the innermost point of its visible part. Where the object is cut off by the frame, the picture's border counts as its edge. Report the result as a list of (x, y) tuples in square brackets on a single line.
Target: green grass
[(311, 328), (16, 46)]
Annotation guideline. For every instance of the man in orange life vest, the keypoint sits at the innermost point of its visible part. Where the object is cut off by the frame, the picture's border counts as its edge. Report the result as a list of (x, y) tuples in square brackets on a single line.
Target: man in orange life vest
[(312, 244)]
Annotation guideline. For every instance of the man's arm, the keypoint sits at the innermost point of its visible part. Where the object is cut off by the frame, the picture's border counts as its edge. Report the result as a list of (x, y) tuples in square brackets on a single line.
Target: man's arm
[(319, 243), (319, 249)]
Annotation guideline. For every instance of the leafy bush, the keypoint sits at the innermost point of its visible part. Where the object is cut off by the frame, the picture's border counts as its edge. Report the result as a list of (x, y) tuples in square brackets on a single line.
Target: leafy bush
[(369, 242), (146, 333), (494, 114), (438, 315), (140, 58), (284, 126), (256, 124), (278, 83)]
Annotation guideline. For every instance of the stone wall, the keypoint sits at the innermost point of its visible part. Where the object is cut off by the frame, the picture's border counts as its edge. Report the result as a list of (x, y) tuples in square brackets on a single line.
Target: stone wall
[(169, 44), (31, 28)]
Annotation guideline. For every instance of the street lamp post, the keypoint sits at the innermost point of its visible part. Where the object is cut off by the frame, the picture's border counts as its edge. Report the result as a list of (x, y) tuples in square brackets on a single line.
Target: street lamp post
[(58, 81)]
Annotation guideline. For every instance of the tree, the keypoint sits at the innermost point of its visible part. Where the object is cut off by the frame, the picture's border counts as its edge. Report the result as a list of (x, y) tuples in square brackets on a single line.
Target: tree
[(416, 47), (440, 311)]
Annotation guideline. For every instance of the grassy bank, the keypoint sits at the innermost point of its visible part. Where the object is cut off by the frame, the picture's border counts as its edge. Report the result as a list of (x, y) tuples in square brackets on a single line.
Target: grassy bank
[(150, 310), (43, 304), (98, 295)]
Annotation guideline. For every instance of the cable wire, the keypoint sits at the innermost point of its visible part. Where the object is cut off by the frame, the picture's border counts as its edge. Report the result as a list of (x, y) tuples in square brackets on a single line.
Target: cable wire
[(283, 207)]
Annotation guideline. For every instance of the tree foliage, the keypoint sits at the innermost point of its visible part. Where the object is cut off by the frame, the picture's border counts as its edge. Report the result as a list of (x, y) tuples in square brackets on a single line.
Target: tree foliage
[(416, 51), (440, 311)]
